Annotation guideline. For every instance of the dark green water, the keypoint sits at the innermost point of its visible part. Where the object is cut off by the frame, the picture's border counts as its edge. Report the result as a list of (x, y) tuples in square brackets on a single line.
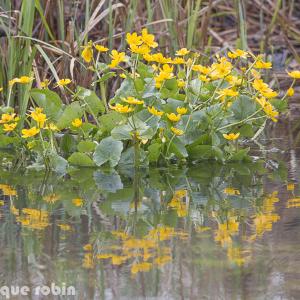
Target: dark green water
[(203, 232)]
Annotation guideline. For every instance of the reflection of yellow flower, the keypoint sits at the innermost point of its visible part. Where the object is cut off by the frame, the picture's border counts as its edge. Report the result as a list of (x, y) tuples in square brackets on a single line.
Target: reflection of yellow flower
[(140, 267), (8, 190), (77, 202), (231, 191), (52, 198), (231, 136), (64, 227), (88, 247), (290, 186)]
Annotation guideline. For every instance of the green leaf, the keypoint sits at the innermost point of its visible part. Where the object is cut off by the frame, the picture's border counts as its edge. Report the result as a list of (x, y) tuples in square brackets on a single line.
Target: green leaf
[(81, 160), (246, 130), (86, 146), (240, 155), (109, 150), (154, 152), (67, 143), (243, 107), (70, 113), (122, 132), (49, 101), (111, 120), (57, 163), (178, 148), (107, 76), (93, 104), (205, 152)]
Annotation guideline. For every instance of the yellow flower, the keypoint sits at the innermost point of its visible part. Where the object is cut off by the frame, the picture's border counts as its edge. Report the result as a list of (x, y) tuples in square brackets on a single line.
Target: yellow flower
[(221, 69), (52, 127), (52, 198), (132, 100), (1, 89), (117, 58), (233, 80), (77, 122), (143, 49), (123, 109), (148, 39), (45, 83), (152, 110), (177, 131), (180, 83), (203, 78), (77, 202), (290, 186), (237, 53), (182, 52), (123, 75), (290, 92), (201, 69), (9, 127), (101, 48), (27, 133), (231, 191), (22, 79), (259, 85), (64, 82), (262, 65), (294, 74), (173, 117), (227, 93), (178, 61), (6, 118), (231, 136), (87, 53), (39, 117), (181, 110), (133, 39), (140, 267), (270, 112)]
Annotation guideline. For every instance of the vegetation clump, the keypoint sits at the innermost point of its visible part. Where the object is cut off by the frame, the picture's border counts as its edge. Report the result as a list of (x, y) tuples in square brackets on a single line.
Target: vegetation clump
[(167, 109)]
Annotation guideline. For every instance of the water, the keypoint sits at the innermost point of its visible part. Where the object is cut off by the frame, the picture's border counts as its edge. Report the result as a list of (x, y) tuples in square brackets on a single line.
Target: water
[(203, 232)]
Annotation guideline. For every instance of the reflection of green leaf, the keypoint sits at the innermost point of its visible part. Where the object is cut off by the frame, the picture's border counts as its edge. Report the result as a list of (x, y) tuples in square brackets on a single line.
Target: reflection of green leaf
[(80, 159), (110, 182), (154, 152), (109, 150), (205, 152)]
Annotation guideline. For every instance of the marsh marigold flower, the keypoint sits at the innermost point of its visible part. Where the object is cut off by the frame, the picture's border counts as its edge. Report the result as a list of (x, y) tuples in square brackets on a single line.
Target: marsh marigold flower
[(64, 82), (182, 52), (173, 117), (231, 136), (77, 122), (177, 131), (101, 48), (148, 39), (132, 100), (237, 53), (27, 133), (123, 109), (294, 74), (117, 58), (9, 127), (262, 65), (152, 110), (290, 92), (87, 53), (181, 110), (77, 202)]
